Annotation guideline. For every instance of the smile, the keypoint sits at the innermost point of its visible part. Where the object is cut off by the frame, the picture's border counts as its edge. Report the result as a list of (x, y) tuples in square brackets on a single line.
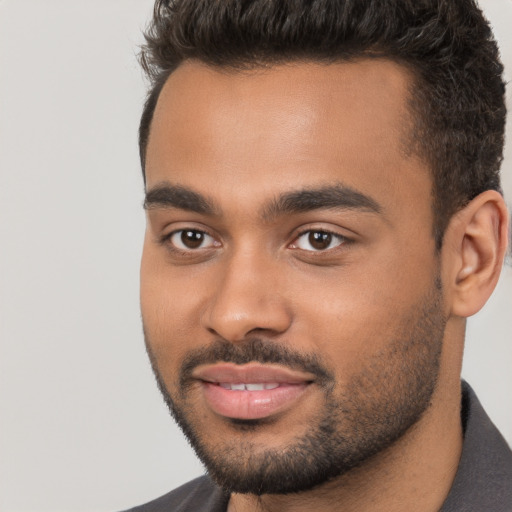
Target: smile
[(249, 386), (252, 391)]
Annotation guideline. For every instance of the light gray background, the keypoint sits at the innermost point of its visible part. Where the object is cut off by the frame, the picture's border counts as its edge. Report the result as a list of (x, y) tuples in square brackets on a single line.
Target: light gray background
[(82, 426)]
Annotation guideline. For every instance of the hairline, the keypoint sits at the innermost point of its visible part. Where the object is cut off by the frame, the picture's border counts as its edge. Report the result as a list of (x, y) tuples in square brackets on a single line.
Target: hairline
[(239, 66)]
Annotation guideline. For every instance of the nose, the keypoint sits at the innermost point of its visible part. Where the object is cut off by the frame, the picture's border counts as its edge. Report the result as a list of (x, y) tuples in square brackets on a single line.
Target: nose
[(248, 299)]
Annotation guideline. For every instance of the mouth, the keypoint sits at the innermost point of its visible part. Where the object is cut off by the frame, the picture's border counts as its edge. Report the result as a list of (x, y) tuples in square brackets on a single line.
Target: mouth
[(249, 386), (251, 391)]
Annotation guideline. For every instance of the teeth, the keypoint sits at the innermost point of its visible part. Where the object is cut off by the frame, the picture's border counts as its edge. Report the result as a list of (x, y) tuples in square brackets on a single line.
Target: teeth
[(249, 386), (255, 387)]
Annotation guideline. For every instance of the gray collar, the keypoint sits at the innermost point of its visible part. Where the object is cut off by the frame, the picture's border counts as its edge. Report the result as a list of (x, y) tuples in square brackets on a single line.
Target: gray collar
[(484, 478)]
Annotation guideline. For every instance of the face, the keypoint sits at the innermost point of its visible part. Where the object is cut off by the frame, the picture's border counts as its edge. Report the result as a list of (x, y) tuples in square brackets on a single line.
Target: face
[(289, 281)]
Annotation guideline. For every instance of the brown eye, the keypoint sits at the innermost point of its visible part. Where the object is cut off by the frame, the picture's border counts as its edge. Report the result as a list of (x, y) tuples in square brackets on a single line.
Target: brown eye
[(318, 241), (190, 239)]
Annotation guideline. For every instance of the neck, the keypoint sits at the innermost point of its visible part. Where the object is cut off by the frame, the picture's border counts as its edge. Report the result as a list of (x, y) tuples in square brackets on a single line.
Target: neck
[(415, 473)]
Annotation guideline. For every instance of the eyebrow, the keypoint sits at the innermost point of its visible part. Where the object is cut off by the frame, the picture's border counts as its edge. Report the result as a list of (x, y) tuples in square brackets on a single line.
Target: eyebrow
[(328, 197), (176, 196), (299, 201)]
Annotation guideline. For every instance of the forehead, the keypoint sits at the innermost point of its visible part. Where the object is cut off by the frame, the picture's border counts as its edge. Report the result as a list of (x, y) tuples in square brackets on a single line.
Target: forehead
[(307, 124)]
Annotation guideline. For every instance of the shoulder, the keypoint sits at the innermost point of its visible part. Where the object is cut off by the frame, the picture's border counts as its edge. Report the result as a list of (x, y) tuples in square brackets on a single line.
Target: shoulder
[(484, 477), (197, 495)]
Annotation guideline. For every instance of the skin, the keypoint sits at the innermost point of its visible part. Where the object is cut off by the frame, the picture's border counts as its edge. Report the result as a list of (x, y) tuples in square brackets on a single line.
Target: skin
[(241, 139)]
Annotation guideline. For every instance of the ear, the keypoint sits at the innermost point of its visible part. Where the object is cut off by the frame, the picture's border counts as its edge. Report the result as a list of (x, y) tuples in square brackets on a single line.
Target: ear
[(475, 243)]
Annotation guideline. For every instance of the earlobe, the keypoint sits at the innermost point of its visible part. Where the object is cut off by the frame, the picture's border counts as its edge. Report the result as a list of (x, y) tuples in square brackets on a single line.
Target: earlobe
[(478, 245)]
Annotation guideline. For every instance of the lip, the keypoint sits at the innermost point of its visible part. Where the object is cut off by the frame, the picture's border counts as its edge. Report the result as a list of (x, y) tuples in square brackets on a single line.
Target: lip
[(237, 404), (251, 372)]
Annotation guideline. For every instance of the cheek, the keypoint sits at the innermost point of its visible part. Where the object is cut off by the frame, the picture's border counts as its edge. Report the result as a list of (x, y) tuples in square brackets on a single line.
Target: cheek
[(355, 315), (166, 307)]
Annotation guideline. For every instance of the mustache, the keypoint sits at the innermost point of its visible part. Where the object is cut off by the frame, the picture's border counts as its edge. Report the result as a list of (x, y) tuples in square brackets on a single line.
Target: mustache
[(253, 350)]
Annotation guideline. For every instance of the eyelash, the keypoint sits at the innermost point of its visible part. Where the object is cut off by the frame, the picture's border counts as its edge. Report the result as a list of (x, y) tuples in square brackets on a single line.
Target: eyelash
[(167, 240), (342, 239)]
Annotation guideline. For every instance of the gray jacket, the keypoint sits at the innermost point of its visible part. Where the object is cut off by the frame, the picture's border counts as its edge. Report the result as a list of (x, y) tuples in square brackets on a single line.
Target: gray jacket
[(483, 482)]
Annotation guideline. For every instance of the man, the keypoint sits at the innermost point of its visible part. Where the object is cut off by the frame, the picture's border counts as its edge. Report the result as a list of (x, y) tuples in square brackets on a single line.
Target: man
[(323, 214)]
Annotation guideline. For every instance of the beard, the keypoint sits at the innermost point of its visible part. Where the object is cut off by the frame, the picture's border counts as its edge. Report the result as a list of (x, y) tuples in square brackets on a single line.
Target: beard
[(375, 408)]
